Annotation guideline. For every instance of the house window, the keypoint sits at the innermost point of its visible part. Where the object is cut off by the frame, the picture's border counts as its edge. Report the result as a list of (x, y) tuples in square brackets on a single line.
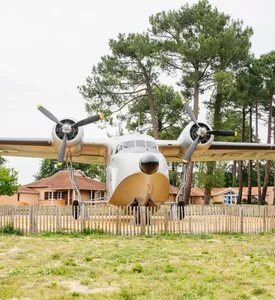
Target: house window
[(230, 198), (98, 195), (60, 195), (51, 196)]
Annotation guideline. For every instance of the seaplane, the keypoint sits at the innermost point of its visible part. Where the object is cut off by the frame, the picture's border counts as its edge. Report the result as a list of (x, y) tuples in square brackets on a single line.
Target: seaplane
[(136, 164)]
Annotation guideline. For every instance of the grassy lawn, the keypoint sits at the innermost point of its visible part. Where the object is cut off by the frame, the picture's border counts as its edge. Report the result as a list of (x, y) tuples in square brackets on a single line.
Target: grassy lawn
[(153, 267)]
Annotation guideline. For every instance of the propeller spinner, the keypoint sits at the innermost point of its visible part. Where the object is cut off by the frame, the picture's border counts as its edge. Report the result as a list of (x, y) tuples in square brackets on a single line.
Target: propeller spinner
[(67, 128), (201, 133)]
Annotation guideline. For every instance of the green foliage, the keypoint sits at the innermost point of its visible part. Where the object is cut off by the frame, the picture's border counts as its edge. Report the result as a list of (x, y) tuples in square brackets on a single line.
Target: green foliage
[(137, 268), (89, 231), (259, 291), (2, 160), (8, 181), (9, 229), (228, 174), (49, 167), (190, 40), (206, 47), (122, 78), (169, 113), (215, 179), (266, 67)]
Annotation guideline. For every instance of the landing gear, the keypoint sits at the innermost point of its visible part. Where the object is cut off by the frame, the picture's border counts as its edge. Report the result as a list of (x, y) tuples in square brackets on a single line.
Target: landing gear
[(143, 213), (75, 209), (76, 203)]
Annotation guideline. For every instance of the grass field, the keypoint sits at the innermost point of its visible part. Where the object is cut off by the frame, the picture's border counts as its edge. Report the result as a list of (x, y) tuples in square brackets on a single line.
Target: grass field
[(148, 267)]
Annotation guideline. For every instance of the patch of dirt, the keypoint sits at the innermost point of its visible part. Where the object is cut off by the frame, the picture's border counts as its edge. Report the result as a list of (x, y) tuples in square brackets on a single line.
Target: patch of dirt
[(12, 250), (75, 286)]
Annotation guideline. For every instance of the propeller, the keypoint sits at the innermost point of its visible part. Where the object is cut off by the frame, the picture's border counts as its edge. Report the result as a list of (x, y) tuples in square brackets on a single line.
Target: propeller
[(67, 128), (201, 133)]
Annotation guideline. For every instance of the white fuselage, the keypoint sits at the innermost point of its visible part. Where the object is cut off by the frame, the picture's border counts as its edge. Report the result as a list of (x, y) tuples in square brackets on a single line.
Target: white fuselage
[(125, 180)]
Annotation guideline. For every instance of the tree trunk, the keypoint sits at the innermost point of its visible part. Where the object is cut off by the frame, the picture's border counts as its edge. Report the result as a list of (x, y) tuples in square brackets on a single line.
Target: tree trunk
[(273, 162), (208, 188), (174, 175), (150, 99), (234, 171), (258, 163), (240, 177), (207, 195), (196, 100), (187, 188), (240, 163), (152, 111), (267, 166), (249, 184), (266, 180)]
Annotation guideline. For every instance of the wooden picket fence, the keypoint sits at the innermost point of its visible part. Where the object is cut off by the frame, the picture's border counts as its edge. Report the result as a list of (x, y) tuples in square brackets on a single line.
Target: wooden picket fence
[(198, 219)]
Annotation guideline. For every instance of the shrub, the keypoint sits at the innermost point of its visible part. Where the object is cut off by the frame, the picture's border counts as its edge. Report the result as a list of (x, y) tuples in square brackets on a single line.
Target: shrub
[(9, 229), (137, 269), (88, 231)]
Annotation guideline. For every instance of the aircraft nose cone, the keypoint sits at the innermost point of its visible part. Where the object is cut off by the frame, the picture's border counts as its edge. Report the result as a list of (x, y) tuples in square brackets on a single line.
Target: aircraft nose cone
[(149, 164)]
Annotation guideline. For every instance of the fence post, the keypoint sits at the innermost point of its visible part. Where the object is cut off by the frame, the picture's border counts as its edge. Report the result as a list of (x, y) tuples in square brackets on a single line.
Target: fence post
[(241, 223), (118, 221), (58, 219), (31, 220), (11, 215), (264, 218), (165, 219), (142, 210)]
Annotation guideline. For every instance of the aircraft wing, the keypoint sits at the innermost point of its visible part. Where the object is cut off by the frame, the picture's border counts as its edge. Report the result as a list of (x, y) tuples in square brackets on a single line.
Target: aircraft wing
[(92, 151), (219, 151)]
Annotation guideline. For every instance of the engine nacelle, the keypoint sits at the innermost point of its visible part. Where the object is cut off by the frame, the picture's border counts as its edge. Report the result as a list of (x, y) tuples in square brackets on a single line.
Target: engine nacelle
[(74, 137), (189, 134)]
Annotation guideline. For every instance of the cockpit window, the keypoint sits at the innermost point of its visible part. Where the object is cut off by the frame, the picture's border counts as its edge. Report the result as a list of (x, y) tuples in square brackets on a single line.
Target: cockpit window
[(151, 145), (147, 145), (140, 143), (118, 148), (128, 144)]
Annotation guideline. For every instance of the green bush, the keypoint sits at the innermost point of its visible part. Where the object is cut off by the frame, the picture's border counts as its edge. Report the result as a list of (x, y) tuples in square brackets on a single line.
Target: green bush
[(88, 231), (9, 229)]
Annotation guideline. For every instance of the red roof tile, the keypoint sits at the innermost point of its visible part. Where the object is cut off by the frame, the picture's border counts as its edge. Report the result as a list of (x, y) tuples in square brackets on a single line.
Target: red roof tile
[(173, 189), (62, 180), (25, 190)]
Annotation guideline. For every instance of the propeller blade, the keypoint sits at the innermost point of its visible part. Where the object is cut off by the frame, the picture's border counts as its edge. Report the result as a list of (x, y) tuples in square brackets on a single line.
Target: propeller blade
[(48, 114), (190, 113), (88, 120), (62, 150), (223, 132), (191, 149)]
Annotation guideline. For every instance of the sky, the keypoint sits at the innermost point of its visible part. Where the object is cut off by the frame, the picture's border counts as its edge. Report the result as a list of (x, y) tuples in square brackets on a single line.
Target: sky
[(48, 48)]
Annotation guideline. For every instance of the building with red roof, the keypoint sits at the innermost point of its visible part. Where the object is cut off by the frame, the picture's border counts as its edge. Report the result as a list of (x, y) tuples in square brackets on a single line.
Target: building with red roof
[(57, 190)]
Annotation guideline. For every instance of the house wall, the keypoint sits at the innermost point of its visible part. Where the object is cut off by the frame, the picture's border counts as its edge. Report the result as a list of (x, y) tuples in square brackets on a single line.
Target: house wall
[(218, 198), (86, 195), (172, 197), (51, 202), (24, 199), (269, 197), (196, 200)]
